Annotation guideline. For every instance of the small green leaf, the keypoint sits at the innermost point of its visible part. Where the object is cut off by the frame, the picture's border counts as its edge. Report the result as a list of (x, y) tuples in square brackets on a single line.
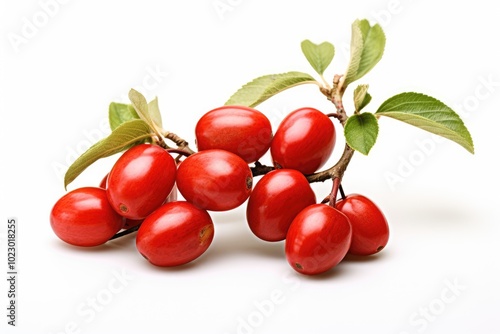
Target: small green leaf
[(318, 55), (123, 137), (367, 48), (361, 131), (361, 97), (154, 112), (262, 88), (430, 114), (120, 113), (140, 105)]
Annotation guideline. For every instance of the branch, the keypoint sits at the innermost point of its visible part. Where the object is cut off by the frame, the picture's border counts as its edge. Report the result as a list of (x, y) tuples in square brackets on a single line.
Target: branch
[(261, 169), (181, 143)]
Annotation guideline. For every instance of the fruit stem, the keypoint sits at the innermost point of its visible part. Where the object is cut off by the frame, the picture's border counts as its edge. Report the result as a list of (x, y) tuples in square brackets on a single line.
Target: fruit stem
[(342, 193), (181, 143), (179, 151), (333, 194), (260, 169), (336, 171), (125, 232)]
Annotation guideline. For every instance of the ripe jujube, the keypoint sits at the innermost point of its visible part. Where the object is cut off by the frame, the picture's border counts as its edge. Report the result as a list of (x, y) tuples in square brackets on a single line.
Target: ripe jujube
[(140, 180), (275, 201), (370, 231), (84, 217), (175, 234), (215, 180), (318, 239), (303, 141), (241, 130)]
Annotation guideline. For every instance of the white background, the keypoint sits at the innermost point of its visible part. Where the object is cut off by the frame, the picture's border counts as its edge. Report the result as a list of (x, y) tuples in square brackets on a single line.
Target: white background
[(439, 272)]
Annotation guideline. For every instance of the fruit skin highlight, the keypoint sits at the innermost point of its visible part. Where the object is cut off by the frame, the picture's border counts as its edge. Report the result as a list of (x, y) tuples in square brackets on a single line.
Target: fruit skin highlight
[(303, 141), (241, 130), (215, 180), (140, 181), (175, 234), (275, 201), (318, 239), (370, 231), (84, 217)]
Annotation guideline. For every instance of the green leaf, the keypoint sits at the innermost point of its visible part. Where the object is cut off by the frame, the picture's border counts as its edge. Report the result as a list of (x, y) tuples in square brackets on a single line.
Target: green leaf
[(361, 131), (361, 97), (120, 113), (367, 48), (142, 108), (318, 55), (140, 105), (262, 88), (430, 114), (124, 136), (154, 112)]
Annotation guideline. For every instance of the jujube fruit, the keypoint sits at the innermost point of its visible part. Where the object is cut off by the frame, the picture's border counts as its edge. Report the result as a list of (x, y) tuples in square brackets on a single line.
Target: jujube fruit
[(140, 180), (303, 141), (370, 231), (318, 239), (275, 201), (175, 234), (84, 217), (241, 130), (214, 180)]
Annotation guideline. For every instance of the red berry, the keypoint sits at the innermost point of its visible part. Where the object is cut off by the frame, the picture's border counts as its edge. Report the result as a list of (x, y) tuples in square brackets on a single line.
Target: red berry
[(275, 201), (141, 180), (370, 231), (175, 234), (241, 130), (84, 217), (172, 197), (318, 239), (303, 141), (214, 180)]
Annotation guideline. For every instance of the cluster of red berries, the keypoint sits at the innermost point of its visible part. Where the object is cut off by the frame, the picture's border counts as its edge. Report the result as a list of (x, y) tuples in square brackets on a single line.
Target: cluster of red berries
[(141, 192)]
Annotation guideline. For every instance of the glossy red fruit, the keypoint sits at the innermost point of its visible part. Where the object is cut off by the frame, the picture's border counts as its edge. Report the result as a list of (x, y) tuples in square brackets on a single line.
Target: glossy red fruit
[(241, 130), (214, 180), (318, 239), (172, 197), (141, 180), (370, 231), (175, 234), (275, 201), (84, 217), (303, 141)]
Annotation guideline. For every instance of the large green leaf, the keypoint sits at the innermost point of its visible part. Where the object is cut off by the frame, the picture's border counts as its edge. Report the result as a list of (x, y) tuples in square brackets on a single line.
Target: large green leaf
[(367, 48), (318, 55), (124, 136), (120, 113), (361, 131), (429, 114), (262, 88)]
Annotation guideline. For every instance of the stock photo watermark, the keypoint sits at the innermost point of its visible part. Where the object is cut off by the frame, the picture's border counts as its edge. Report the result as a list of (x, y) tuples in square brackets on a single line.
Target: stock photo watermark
[(430, 312), (224, 7), (383, 16), (423, 149), (31, 25), (12, 271), (150, 82), (89, 309)]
